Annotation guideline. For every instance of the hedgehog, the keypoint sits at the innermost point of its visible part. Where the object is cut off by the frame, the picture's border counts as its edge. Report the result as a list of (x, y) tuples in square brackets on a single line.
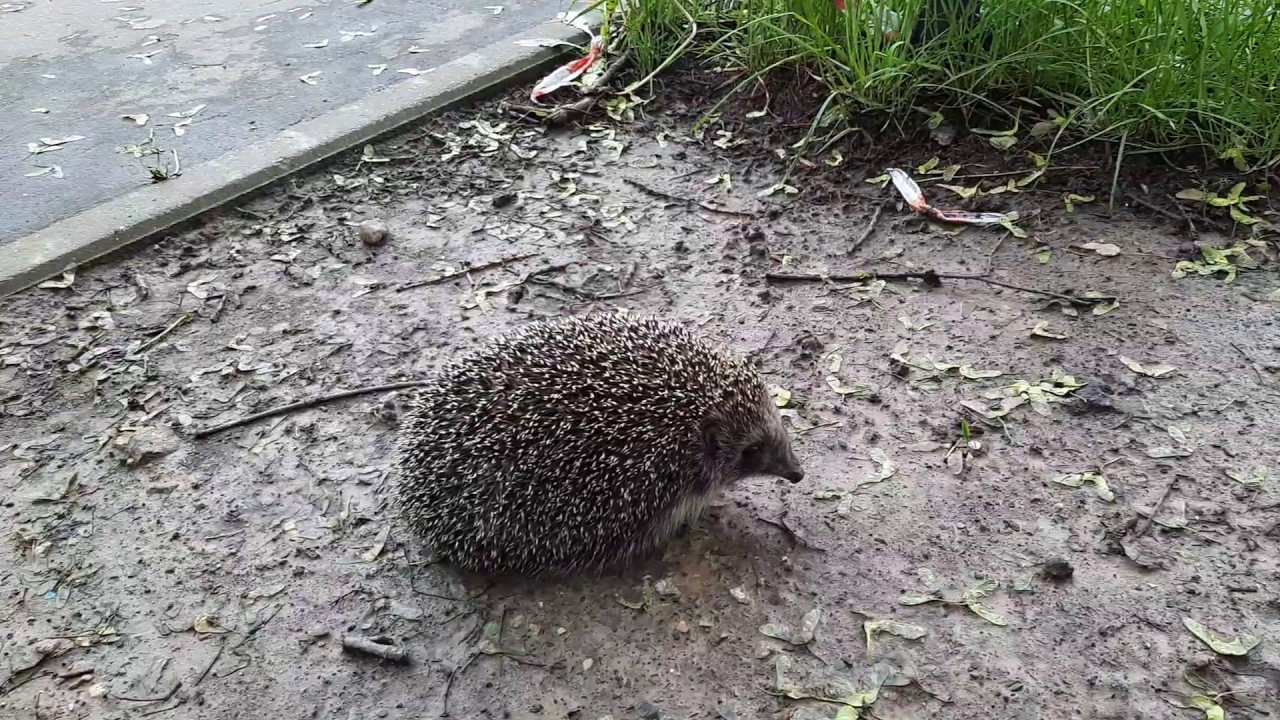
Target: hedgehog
[(581, 444)]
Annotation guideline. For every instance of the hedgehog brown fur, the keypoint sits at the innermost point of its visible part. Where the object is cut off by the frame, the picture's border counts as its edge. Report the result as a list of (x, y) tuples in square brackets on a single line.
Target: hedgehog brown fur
[(581, 444)]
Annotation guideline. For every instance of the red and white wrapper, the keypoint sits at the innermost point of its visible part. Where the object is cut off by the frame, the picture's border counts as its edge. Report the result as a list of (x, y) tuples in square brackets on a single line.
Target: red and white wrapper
[(914, 196)]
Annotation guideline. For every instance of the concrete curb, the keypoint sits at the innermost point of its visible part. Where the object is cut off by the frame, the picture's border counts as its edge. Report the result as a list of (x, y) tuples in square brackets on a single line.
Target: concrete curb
[(147, 212)]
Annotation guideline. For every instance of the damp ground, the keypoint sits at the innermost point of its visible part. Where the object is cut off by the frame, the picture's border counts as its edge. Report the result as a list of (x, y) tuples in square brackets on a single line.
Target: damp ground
[(1094, 462)]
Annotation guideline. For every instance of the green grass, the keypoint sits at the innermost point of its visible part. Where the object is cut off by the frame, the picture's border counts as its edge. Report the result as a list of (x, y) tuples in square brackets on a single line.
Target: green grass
[(1157, 74)]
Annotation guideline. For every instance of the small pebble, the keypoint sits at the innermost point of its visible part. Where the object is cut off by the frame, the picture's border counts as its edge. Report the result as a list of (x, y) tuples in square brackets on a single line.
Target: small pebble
[(682, 626), (1058, 569), (648, 711), (373, 232)]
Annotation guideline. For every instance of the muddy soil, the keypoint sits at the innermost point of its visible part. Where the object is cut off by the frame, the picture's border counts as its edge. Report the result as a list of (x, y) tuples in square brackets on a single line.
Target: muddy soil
[(148, 572)]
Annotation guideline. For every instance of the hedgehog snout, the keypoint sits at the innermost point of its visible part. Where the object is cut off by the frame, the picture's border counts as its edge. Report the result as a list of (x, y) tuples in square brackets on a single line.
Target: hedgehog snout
[(787, 465)]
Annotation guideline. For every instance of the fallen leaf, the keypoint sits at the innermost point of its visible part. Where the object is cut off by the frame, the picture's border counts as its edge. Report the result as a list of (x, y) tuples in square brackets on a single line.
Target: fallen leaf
[(1103, 308), (1254, 480), (1099, 480), (777, 187), (970, 372), (1240, 645), (987, 614), (1042, 329), (208, 624), (892, 627), (804, 636), (912, 324), (139, 119), (887, 468), (317, 45), (781, 396), (1103, 249), (415, 71), (840, 388), (964, 192), (68, 278), (377, 69), (379, 542), (310, 78), (1167, 452), (1072, 199), (928, 166), (1150, 369), (1172, 515), (1212, 710), (188, 113), (1003, 142)]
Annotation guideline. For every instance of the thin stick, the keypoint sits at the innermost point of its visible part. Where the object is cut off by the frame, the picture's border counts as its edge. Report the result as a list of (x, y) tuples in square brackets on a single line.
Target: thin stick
[(1006, 173), (1115, 177), (458, 273), (182, 319), (1252, 363), (375, 646), (163, 698), (216, 657), (1137, 199), (448, 684), (304, 404), (1147, 521), (866, 231), (932, 279), (687, 201)]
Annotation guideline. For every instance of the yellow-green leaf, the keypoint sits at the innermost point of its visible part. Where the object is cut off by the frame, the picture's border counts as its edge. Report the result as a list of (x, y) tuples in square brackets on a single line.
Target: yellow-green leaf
[(928, 166), (1212, 710), (1003, 142), (1042, 329), (1150, 369), (987, 614), (1071, 199), (1099, 480), (915, 598), (1240, 645), (964, 192)]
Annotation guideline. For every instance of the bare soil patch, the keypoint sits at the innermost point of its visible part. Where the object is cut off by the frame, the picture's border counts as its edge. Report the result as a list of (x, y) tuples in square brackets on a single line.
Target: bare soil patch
[(149, 572)]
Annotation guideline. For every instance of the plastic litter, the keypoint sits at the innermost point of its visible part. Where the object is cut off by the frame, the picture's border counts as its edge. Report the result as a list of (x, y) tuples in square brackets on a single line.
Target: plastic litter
[(914, 196)]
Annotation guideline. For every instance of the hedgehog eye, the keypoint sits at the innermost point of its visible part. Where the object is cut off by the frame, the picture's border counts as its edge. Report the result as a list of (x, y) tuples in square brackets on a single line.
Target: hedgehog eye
[(751, 452)]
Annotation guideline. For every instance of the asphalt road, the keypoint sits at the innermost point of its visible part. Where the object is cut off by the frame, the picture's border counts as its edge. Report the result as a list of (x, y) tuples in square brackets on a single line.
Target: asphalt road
[(74, 68)]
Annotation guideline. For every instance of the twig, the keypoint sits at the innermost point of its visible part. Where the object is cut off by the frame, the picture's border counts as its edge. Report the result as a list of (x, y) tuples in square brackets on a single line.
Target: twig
[(304, 404), (1137, 199), (866, 231), (165, 697), (182, 319), (1145, 523), (687, 201), (1252, 363), (932, 279), (781, 523), (819, 426), (216, 657), (1115, 176), (458, 273), (602, 83), (380, 646), (448, 683)]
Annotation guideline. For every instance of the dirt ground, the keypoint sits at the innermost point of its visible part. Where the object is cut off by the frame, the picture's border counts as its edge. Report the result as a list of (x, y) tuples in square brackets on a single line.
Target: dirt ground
[(148, 572)]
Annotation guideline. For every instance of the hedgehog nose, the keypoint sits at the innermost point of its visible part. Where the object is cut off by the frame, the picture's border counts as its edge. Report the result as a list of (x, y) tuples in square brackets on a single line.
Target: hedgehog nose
[(795, 475)]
